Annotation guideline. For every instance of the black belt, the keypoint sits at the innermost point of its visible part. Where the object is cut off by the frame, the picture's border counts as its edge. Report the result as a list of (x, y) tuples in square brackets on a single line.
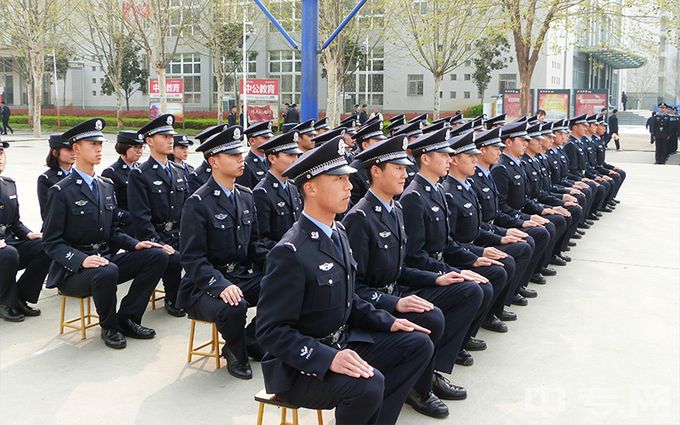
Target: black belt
[(94, 248), (166, 227), (333, 339), (227, 268), (4, 232), (491, 221), (437, 255), (388, 289)]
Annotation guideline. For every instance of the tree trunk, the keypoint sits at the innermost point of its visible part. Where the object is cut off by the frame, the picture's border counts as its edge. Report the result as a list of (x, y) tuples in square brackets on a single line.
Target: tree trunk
[(332, 100), (219, 80), (437, 99), (37, 107), (160, 72), (29, 95), (119, 108)]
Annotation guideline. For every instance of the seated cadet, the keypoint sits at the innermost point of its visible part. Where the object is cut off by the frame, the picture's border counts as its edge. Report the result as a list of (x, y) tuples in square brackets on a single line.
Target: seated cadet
[(412, 131), (511, 183), (157, 190), (320, 139), (256, 165), (59, 162), (129, 146), (277, 201), (220, 249), (370, 134), (426, 223), (421, 119), (378, 241), (493, 247), (395, 122), (79, 230), (567, 212), (20, 248), (322, 126), (614, 171), (350, 126), (591, 162), (326, 347), (203, 172), (306, 131), (496, 221), (180, 153), (598, 132)]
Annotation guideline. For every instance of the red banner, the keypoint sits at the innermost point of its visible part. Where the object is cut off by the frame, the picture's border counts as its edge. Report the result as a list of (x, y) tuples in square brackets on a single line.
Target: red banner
[(260, 113), (589, 101), (174, 88), (261, 89), (511, 105)]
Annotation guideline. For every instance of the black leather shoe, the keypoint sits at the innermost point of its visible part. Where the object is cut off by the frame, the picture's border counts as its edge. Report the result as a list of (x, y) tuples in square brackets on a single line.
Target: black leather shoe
[(597, 214), (570, 243), (113, 338), (528, 293), (557, 261), (606, 210), (474, 344), (565, 257), (134, 330), (492, 323), (507, 316), (583, 226), (27, 310), (428, 405), (616, 201), (445, 390), (237, 368), (538, 279), (593, 217), (589, 222), (464, 358), (576, 236), (547, 271), (519, 300), (11, 314), (172, 310), (580, 232), (566, 249)]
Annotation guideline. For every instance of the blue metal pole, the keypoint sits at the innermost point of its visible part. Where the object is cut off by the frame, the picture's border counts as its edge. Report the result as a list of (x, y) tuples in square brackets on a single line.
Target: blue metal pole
[(343, 24), (309, 103), (276, 23)]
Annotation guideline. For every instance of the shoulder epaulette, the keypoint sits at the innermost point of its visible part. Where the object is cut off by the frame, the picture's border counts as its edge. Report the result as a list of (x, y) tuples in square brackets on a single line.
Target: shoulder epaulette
[(106, 179), (449, 194), (337, 223), (361, 212), (397, 204), (243, 188), (290, 246), (197, 196), (7, 179), (258, 187)]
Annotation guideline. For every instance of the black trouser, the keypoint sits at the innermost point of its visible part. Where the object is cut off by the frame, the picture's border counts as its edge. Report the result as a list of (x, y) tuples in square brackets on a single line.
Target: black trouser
[(5, 125), (173, 272), (572, 224), (521, 253), (16, 256), (539, 239), (660, 154), (599, 195), (145, 267), (560, 225), (398, 360), (498, 279), (622, 177), (460, 304)]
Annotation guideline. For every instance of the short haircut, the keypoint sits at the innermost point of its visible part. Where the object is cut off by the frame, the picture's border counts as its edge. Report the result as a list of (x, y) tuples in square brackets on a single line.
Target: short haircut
[(541, 112), (370, 176), (615, 111)]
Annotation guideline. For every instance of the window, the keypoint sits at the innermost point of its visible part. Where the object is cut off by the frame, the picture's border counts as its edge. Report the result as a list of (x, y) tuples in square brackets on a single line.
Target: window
[(466, 77), (288, 13), (94, 92), (286, 65), (372, 16), (94, 69), (371, 73), (507, 81), (452, 94), (454, 77), (415, 85), (187, 66), (94, 81), (182, 15), (466, 94)]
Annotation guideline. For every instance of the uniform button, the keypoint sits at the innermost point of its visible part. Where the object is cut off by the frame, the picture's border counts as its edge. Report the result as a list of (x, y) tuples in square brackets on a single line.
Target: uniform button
[(101, 229), (172, 191), (385, 246), (172, 206), (239, 247), (82, 212), (238, 227), (330, 281), (348, 304)]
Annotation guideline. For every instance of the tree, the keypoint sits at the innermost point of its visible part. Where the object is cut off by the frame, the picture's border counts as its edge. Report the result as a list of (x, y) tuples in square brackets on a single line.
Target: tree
[(491, 56), (30, 26), (440, 34), (133, 77), (158, 27), (63, 55)]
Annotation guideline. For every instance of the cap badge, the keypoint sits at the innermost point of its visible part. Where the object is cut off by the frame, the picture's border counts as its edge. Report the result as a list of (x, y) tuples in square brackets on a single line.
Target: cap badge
[(237, 134), (341, 147), (296, 136), (169, 120), (98, 125), (404, 143)]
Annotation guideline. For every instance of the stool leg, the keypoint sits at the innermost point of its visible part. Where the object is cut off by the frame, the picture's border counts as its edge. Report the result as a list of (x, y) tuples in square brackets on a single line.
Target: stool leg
[(192, 329), (63, 310), (319, 417), (89, 311), (295, 417), (82, 319), (283, 416), (260, 413), (216, 345)]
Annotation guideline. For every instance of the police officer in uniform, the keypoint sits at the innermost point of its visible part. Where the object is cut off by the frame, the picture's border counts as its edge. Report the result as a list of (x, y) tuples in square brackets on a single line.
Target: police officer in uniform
[(328, 348), (203, 172), (20, 248), (180, 154), (322, 138), (322, 126), (157, 190), (367, 135), (256, 164), (129, 145), (375, 229), (412, 132), (307, 133), (59, 162), (350, 126), (618, 174), (277, 201), (395, 122), (220, 250), (79, 231)]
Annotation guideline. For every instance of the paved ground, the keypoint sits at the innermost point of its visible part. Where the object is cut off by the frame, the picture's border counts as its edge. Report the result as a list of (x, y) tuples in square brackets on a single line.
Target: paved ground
[(599, 346)]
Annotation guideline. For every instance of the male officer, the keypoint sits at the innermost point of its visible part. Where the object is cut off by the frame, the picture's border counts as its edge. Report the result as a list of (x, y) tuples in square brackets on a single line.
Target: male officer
[(367, 135), (412, 132), (395, 122), (180, 154), (80, 229), (511, 181), (327, 348), (322, 126), (614, 172), (591, 163), (129, 146), (498, 222), (20, 248), (59, 162), (256, 166), (376, 233), (427, 226), (660, 134), (495, 122), (465, 213), (157, 190), (203, 172), (349, 124), (307, 133), (322, 138), (277, 201), (220, 249)]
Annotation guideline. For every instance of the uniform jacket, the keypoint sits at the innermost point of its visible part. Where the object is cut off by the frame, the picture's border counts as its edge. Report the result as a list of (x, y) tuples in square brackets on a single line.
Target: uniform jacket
[(11, 227), (46, 180), (493, 218), (199, 176), (511, 183), (254, 171), (277, 208)]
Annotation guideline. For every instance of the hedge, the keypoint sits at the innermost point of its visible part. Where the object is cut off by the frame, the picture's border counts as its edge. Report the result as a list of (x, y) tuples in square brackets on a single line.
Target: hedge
[(70, 120)]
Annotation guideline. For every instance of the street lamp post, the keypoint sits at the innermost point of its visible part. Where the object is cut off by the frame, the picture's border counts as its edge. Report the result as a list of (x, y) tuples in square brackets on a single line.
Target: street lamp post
[(56, 87)]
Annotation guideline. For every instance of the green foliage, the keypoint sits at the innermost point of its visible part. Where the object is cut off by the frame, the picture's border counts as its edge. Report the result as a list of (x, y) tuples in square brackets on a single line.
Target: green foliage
[(133, 75), (491, 56), (473, 111)]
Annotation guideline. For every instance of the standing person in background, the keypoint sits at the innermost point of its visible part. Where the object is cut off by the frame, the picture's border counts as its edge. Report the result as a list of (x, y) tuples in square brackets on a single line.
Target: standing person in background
[(624, 99), (292, 115), (5, 112), (649, 125), (376, 113), (231, 118), (614, 129), (363, 115)]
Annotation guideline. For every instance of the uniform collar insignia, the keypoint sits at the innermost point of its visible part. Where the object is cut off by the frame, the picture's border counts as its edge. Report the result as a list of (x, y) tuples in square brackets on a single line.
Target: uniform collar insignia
[(275, 185), (154, 166), (216, 193), (314, 235), (427, 188), (378, 208)]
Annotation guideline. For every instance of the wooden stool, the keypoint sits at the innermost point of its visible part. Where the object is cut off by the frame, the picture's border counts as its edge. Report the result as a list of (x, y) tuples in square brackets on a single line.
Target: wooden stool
[(78, 323), (263, 398), (214, 343), (154, 298)]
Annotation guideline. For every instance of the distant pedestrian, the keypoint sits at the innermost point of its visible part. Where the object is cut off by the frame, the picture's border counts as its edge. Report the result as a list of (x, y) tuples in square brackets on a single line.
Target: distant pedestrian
[(292, 115), (5, 112), (231, 118), (624, 99), (363, 115), (614, 129), (650, 127), (376, 112)]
